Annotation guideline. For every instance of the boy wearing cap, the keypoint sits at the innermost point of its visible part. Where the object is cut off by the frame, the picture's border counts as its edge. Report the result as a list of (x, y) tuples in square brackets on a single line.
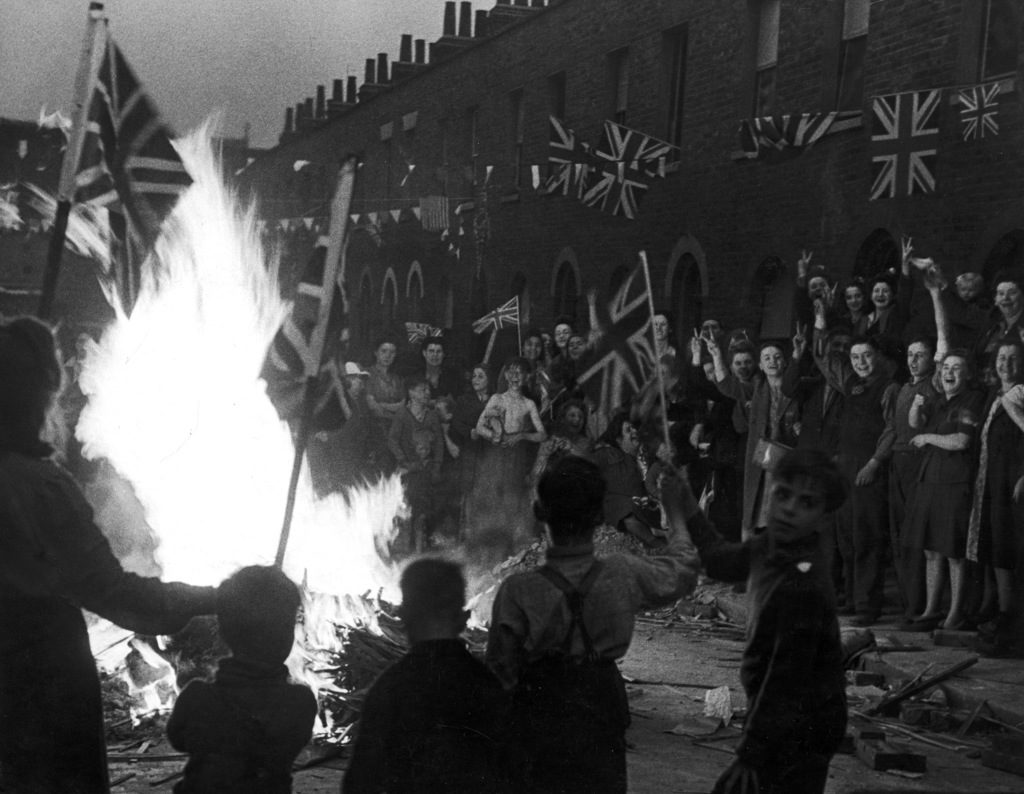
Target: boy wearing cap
[(434, 720), (557, 632)]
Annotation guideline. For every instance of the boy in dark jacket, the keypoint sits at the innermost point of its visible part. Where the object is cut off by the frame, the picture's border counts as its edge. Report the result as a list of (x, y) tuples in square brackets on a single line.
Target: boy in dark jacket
[(433, 722), (244, 730), (792, 668), (557, 632)]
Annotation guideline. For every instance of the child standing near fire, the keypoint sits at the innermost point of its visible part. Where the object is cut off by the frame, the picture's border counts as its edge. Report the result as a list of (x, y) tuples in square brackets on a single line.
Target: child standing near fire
[(556, 633), (244, 729)]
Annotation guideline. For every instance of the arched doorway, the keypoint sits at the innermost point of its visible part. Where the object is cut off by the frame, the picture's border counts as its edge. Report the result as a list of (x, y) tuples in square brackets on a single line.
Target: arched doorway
[(1006, 254), (878, 253), (687, 299), (567, 291), (414, 293)]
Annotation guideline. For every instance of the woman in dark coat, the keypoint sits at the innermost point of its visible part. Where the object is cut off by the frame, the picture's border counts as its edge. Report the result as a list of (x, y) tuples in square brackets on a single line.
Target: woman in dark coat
[(772, 417), (615, 455), (938, 516), (996, 516), (54, 561)]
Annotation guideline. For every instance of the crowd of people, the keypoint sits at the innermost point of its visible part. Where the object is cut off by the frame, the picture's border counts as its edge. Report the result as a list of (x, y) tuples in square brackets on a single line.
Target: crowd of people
[(909, 380), (888, 430)]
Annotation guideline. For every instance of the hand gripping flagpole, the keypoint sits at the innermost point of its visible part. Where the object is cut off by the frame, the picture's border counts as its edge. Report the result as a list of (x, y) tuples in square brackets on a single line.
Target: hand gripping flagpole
[(657, 364), (85, 84), (333, 267)]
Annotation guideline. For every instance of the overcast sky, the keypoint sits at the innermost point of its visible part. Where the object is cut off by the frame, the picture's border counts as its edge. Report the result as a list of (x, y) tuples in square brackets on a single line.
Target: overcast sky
[(249, 58)]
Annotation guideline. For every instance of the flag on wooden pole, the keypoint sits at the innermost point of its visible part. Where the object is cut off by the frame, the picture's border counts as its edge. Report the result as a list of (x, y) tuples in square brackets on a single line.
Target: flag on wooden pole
[(505, 315)]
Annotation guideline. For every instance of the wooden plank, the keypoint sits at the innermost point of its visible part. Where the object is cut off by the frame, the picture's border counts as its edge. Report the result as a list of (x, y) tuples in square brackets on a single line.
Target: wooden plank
[(882, 756)]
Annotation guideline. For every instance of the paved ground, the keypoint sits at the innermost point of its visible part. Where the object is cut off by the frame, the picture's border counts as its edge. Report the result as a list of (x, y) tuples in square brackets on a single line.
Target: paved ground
[(671, 664)]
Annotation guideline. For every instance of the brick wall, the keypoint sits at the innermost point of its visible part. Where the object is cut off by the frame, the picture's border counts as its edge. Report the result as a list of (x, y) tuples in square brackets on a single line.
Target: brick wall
[(737, 212)]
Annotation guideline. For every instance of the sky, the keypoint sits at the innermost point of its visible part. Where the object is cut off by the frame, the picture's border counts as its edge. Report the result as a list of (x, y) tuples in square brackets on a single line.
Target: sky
[(248, 59)]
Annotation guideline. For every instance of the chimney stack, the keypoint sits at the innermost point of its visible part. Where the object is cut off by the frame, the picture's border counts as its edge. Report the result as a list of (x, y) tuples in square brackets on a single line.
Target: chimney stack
[(382, 68), (480, 29), (351, 90), (421, 51), (371, 72), (321, 102), (449, 19), (405, 49), (465, 19), (338, 91)]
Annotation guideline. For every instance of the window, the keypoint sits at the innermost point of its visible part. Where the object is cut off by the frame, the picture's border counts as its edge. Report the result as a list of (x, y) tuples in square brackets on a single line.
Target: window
[(618, 83), (674, 58), (999, 39), (556, 95), (516, 105), (767, 57), (852, 48)]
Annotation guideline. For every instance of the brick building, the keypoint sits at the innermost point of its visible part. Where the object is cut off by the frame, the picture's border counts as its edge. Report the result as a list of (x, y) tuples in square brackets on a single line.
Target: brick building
[(467, 118)]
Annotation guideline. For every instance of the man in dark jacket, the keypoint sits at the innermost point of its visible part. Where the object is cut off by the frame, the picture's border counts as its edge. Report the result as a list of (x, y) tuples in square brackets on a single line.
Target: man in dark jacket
[(792, 668)]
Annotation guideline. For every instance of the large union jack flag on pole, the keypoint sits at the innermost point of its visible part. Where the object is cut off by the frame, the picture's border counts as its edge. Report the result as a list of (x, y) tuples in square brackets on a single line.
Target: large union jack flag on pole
[(904, 143), (622, 358), (979, 108)]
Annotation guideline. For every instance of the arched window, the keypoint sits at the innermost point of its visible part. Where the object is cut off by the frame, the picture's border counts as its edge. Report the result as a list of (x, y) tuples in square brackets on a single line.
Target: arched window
[(877, 254), (567, 291), (414, 293), (687, 303), (1006, 254), (365, 312), (388, 301)]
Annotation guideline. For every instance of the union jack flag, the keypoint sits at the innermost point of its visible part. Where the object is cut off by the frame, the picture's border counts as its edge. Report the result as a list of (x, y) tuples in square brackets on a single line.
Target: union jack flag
[(978, 111), (127, 162), (419, 331), (565, 153), (796, 131), (626, 161), (623, 357), (904, 142), (504, 315)]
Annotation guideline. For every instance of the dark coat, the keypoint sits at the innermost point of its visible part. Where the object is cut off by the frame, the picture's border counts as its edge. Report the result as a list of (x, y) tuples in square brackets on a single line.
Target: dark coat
[(53, 562), (792, 669)]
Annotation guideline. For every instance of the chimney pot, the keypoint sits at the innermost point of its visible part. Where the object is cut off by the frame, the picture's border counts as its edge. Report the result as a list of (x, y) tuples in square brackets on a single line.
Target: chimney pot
[(382, 67), (371, 71), (465, 19), (338, 91), (405, 50), (449, 18), (421, 51), (481, 24), (351, 90), (289, 120), (308, 107), (321, 102)]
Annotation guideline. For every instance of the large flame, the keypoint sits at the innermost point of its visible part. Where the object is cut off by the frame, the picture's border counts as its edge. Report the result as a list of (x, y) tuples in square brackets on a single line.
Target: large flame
[(176, 405)]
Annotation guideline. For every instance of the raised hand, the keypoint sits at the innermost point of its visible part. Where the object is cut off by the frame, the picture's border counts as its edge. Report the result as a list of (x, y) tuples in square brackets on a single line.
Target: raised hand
[(906, 248), (800, 340), (695, 348), (803, 264)]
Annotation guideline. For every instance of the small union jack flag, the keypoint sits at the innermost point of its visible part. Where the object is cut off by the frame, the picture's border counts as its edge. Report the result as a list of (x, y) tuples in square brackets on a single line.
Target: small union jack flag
[(419, 331), (792, 132), (979, 108), (506, 314), (904, 143)]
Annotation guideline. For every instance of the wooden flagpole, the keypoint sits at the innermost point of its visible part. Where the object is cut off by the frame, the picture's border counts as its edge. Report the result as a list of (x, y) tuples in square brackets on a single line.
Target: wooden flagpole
[(334, 268), (657, 364), (85, 84), (490, 344), (519, 325)]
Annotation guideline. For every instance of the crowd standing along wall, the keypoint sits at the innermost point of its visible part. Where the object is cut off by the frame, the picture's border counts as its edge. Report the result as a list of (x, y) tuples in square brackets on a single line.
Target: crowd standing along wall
[(722, 231)]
